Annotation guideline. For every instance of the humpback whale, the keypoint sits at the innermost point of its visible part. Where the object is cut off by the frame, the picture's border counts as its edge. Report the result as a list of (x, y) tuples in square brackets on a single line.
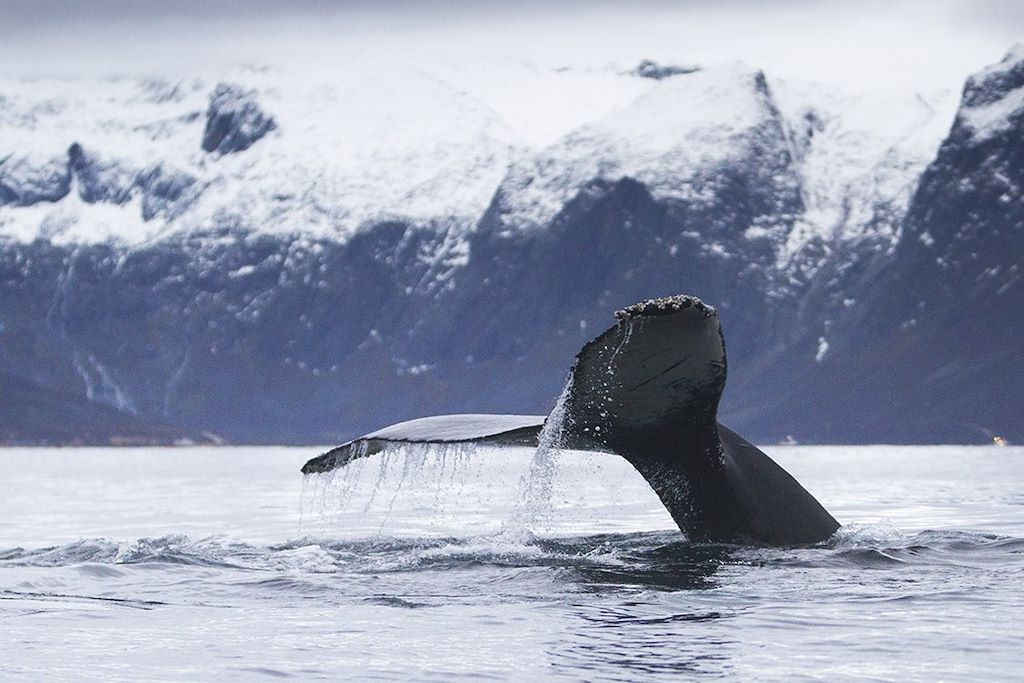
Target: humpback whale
[(647, 390)]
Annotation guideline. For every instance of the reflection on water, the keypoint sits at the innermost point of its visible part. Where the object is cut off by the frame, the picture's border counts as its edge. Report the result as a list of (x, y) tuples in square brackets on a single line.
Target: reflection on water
[(624, 643), (631, 632), (644, 563)]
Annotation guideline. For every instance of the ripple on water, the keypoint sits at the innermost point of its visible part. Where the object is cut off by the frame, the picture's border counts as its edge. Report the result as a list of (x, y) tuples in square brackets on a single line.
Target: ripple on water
[(663, 552)]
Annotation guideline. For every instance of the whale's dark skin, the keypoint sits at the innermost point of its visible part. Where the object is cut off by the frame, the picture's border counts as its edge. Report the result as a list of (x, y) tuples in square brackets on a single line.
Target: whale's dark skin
[(648, 389)]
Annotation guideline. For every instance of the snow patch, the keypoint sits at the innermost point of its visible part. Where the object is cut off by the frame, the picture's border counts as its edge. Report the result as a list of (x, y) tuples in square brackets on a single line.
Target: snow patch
[(859, 155), (823, 347)]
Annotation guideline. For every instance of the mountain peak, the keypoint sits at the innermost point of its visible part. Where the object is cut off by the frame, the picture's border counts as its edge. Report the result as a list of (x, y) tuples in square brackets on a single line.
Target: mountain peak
[(675, 138), (993, 98)]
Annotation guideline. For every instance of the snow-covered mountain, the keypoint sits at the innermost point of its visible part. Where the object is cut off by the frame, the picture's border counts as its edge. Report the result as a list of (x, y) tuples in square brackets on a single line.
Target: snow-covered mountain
[(345, 151), (183, 156), (284, 256)]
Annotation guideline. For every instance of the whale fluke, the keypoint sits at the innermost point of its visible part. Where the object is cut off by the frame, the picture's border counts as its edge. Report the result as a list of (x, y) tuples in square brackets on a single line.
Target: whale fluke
[(648, 389), (495, 430)]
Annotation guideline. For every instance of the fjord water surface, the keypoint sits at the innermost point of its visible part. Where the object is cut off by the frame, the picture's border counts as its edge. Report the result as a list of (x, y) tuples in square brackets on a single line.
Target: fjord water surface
[(178, 564)]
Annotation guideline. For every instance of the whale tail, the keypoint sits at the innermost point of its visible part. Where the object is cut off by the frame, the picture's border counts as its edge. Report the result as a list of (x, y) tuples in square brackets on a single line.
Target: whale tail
[(648, 389)]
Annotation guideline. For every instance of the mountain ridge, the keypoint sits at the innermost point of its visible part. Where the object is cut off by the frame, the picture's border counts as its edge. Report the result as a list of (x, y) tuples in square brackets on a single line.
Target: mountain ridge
[(308, 331)]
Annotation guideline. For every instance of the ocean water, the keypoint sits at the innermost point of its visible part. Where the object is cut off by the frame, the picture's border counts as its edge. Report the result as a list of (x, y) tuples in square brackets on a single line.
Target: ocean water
[(225, 563)]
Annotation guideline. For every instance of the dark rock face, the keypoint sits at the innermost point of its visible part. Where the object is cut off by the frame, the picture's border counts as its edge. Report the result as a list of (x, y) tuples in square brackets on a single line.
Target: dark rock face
[(234, 120), (651, 69), (225, 332), (611, 246), (165, 191), (24, 182), (952, 294), (931, 351), (996, 82), (99, 180)]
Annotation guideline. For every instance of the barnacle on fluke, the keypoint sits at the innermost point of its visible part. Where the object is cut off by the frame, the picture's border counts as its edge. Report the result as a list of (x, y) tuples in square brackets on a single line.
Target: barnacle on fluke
[(663, 306)]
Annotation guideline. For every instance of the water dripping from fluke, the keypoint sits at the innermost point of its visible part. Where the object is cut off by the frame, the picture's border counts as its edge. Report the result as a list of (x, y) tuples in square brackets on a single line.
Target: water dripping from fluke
[(372, 487), (534, 510)]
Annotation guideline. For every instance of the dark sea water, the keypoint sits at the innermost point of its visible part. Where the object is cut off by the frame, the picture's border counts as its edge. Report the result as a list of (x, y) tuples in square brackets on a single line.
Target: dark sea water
[(184, 564)]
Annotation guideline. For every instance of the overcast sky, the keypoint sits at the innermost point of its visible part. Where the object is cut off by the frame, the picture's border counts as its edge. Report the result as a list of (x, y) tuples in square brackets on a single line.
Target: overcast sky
[(900, 43)]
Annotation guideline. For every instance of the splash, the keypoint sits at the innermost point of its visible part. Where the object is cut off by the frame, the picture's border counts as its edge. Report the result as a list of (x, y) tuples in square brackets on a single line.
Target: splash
[(444, 464), (534, 508), (328, 494)]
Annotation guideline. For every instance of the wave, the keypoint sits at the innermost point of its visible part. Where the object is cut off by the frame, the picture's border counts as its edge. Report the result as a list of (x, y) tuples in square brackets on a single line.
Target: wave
[(656, 558)]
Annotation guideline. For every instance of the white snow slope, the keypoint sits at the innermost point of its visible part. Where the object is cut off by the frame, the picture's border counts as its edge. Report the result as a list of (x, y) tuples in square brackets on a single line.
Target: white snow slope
[(356, 146)]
